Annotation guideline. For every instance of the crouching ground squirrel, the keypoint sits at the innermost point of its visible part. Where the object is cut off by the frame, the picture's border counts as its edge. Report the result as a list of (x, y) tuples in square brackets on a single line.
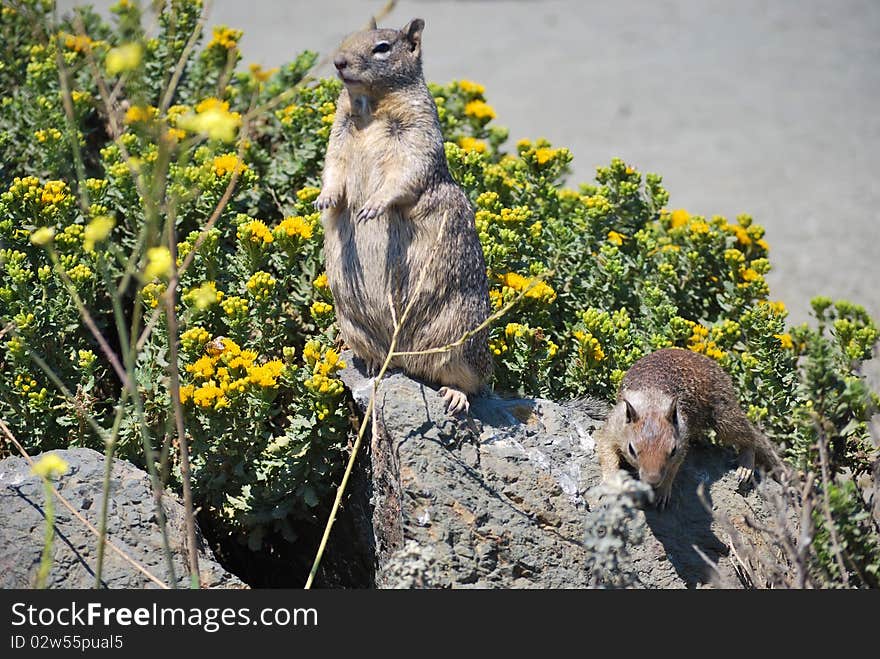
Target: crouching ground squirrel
[(388, 199), (667, 399)]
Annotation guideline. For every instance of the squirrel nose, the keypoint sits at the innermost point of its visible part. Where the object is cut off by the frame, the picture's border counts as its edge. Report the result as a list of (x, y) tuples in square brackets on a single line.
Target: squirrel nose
[(340, 62)]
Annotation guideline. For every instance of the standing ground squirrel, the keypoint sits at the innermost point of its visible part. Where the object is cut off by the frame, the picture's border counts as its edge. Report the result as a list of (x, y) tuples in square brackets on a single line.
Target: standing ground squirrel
[(386, 196), (667, 399)]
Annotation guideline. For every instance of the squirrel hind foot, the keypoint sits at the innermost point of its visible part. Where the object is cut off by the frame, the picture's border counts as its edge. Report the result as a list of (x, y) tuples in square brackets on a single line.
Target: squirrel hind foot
[(746, 467), (456, 401)]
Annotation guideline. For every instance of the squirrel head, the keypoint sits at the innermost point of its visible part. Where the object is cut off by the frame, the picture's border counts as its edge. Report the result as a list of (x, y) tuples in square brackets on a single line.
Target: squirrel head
[(651, 427), (373, 62)]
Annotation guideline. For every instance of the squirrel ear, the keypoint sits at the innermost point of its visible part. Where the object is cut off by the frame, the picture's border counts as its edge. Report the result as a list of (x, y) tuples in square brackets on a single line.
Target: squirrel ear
[(630, 411), (412, 32), (672, 414), (372, 24)]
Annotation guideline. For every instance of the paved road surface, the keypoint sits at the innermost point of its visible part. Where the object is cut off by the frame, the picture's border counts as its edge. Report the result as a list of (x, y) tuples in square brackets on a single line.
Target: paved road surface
[(742, 105)]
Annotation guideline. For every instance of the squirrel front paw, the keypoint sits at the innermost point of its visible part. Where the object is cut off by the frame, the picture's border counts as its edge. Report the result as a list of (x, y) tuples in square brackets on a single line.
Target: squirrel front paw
[(327, 199), (370, 211)]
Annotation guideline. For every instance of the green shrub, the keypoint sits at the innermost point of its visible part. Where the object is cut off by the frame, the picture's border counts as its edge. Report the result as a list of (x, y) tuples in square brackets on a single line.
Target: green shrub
[(609, 271)]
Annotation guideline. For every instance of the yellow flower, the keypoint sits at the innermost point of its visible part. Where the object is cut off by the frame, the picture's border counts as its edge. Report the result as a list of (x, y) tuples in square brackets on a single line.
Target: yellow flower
[(266, 375), (479, 109), (235, 306), (194, 338), (203, 296), (124, 58), (679, 217), (158, 263), (203, 367), (47, 134), (225, 37), (260, 285), (699, 227), (473, 88), (496, 300), (616, 238), (777, 307), (320, 309), (139, 114), (186, 393), (255, 232), (785, 341), (42, 236), (50, 465), (749, 274), (321, 282), (54, 192), (296, 227), (228, 163), (312, 352), (79, 42), (534, 288), (151, 293), (544, 155), (472, 144), (308, 194), (213, 119), (97, 231), (261, 74)]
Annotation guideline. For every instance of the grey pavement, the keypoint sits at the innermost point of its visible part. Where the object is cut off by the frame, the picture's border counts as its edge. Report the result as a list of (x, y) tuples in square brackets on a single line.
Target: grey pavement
[(768, 108)]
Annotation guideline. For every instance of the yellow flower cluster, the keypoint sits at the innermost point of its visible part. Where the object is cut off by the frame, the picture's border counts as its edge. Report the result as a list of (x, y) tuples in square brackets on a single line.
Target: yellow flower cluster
[(225, 37), (678, 218), (224, 371), (228, 163), (479, 110), (321, 310), (616, 238), (50, 466), (261, 74), (235, 307), (469, 143), (322, 383), (471, 88), (151, 293), (292, 231), (321, 282), (700, 341), (85, 359), (255, 232), (589, 349), (158, 263), (260, 285), (48, 134), (203, 296), (54, 192), (212, 118), (77, 42), (785, 341), (140, 114), (194, 339), (776, 307), (97, 231), (126, 57), (534, 288)]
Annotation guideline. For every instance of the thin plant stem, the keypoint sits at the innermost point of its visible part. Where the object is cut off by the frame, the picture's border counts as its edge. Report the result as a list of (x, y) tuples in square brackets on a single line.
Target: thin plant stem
[(46, 557), (73, 511)]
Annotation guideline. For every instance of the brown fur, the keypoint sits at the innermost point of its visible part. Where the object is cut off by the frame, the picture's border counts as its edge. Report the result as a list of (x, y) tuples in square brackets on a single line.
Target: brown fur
[(667, 399), (386, 193)]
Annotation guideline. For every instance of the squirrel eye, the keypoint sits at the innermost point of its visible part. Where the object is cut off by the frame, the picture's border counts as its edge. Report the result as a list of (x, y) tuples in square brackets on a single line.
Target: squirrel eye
[(381, 47), (632, 450)]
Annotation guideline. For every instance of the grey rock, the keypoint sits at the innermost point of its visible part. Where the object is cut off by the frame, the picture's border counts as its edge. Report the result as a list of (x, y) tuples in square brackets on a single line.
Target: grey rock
[(132, 525), (509, 498)]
